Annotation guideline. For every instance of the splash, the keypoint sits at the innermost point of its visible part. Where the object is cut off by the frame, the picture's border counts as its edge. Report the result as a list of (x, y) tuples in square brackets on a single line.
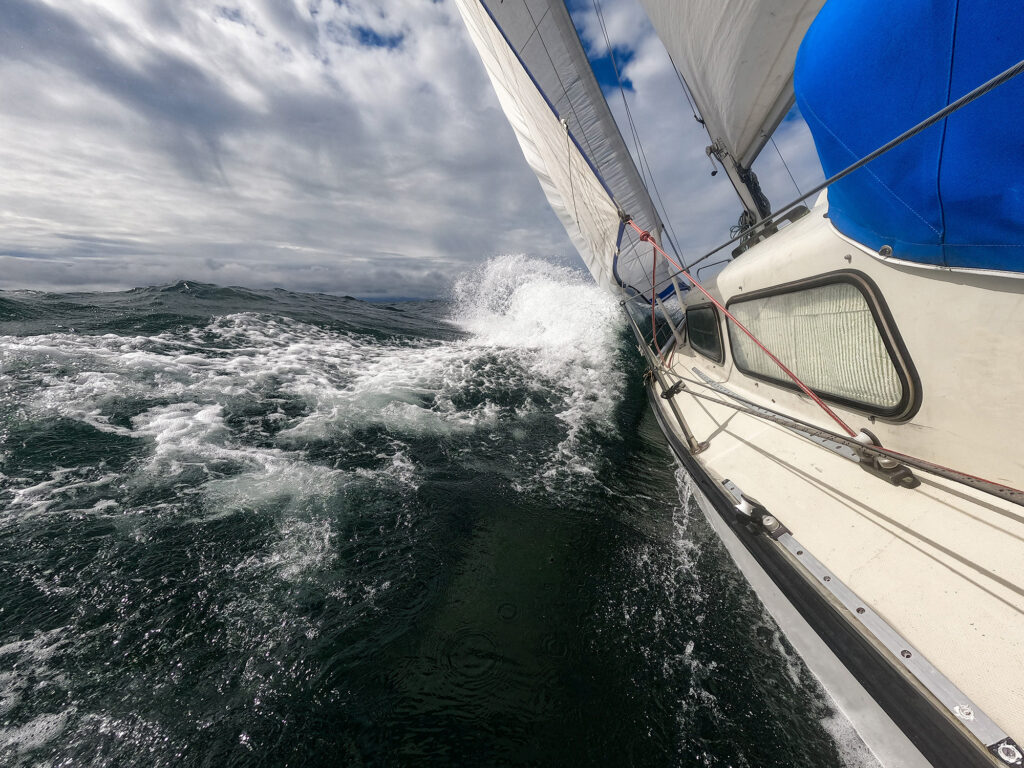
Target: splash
[(233, 518), (567, 331)]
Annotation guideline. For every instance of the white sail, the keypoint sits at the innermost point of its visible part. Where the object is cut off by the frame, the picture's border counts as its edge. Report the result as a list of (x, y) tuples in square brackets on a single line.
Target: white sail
[(737, 59), (545, 85)]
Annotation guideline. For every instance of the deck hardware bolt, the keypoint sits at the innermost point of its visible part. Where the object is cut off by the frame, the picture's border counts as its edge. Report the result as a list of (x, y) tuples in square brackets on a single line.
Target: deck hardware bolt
[(906, 654), (885, 251), (770, 523), (1009, 753), (963, 711), (860, 610), (887, 462), (828, 578)]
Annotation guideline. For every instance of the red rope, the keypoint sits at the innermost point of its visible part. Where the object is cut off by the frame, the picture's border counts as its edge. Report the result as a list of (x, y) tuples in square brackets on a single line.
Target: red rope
[(654, 300), (646, 237)]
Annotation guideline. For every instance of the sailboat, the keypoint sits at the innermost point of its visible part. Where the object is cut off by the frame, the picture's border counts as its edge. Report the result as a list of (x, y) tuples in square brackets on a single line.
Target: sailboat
[(846, 393)]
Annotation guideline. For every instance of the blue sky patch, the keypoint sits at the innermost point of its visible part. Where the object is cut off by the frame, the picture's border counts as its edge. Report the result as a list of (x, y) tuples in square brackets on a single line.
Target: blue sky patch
[(793, 115), (231, 14), (374, 39), (604, 68)]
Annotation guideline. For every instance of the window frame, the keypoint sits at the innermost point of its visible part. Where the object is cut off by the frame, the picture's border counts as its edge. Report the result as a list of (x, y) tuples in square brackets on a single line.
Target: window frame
[(910, 383), (718, 329)]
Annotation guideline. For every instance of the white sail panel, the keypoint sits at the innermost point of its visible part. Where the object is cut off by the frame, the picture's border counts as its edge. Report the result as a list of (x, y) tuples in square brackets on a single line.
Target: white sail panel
[(737, 59), (572, 189), (545, 85)]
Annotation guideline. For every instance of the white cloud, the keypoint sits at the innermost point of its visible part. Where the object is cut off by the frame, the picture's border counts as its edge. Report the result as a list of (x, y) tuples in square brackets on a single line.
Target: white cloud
[(266, 143), (701, 208)]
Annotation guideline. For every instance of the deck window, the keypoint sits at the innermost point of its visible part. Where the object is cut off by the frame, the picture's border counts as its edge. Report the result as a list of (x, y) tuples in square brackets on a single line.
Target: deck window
[(831, 336), (704, 333)]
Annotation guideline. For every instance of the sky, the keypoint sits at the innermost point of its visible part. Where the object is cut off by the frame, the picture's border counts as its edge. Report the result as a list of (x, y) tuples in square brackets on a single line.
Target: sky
[(312, 145)]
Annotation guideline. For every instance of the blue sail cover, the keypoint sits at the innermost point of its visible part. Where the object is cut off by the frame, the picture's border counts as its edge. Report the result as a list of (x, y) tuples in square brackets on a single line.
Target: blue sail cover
[(868, 70)]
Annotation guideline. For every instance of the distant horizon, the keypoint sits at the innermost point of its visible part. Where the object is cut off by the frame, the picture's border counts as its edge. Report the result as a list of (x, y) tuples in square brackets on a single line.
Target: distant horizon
[(353, 148), (189, 283)]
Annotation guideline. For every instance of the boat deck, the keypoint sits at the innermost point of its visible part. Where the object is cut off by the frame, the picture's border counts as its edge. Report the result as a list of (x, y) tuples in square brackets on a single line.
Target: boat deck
[(940, 563)]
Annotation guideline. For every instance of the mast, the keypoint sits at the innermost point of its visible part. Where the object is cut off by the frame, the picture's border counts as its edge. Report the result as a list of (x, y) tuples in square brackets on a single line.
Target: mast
[(736, 57), (756, 206)]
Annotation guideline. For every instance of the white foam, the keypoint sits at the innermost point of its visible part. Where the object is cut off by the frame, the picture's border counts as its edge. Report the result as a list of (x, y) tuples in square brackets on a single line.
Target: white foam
[(182, 431), (63, 483), (302, 548), (567, 328), (530, 327), (852, 750), (39, 650), (26, 667), (549, 326), (36, 733)]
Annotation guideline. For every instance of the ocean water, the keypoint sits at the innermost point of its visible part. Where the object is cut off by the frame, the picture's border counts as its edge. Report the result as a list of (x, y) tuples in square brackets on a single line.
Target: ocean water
[(262, 528)]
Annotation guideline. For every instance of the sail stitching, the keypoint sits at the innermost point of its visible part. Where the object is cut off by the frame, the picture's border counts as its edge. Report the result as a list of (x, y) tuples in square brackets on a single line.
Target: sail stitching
[(565, 92)]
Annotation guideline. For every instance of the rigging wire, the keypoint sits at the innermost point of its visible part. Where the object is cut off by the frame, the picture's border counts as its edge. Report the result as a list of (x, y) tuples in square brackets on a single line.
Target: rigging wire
[(807, 429), (686, 93), (646, 236), (551, 60), (785, 164), (654, 302), (565, 94), (638, 144), (963, 101), (860, 447)]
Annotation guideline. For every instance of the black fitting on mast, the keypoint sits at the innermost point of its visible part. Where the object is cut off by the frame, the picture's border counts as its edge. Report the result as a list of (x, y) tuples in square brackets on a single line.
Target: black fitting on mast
[(749, 179), (744, 181)]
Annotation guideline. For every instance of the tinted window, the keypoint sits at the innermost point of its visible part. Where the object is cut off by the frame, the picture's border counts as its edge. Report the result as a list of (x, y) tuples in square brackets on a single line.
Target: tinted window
[(703, 331), (829, 336)]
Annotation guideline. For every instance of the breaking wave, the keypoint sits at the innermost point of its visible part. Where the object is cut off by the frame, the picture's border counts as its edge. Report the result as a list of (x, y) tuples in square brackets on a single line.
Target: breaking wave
[(240, 526)]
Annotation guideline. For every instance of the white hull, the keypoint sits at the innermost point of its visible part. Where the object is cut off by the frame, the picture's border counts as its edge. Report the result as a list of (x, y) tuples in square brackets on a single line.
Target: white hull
[(938, 564)]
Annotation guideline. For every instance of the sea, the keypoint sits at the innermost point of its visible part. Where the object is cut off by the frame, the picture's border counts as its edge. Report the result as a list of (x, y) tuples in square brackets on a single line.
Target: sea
[(261, 528)]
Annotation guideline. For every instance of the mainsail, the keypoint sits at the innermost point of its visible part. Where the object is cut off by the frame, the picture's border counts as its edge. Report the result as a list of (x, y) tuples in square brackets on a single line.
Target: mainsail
[(544, 82), (737, 59)]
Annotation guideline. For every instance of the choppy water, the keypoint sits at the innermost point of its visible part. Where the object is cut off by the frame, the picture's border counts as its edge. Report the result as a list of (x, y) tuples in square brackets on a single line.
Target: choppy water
[(261, 528)]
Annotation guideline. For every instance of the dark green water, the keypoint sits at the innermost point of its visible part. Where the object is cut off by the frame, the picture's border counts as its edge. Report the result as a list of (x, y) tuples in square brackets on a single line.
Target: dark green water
[(261, 528)]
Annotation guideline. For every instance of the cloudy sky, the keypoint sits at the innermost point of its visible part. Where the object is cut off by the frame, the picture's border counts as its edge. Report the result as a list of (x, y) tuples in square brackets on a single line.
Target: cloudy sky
[(307, 144)]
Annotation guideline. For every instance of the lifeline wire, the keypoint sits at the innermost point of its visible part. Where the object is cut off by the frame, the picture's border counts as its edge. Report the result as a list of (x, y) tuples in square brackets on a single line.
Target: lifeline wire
[(1014, 495), (946, 111), (644, 235)]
